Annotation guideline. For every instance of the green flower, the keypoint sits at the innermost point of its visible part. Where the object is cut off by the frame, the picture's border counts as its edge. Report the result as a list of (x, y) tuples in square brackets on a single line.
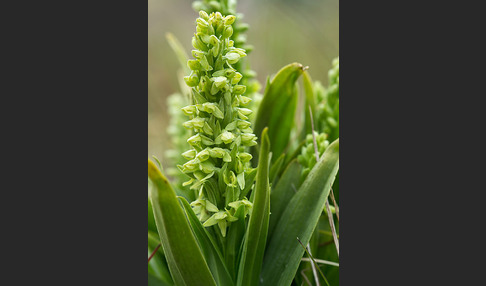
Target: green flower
[(217, 162), (235, 30)]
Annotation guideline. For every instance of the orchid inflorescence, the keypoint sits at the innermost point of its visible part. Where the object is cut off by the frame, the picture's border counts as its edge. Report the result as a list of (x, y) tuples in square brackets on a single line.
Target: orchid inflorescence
[(217, 165)]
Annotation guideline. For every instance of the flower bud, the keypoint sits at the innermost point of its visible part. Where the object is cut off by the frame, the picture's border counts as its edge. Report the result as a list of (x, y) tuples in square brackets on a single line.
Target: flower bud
[(242, 124), (247, 137), (228, 31), (236, 78), (212, 108), (227, 137), (192, 80), (239, 168), (219, 81), (204, 15), (245, 157), (239, 89), (198, 54), (215, 49), (194, 140), (226, 156), (190, 166), (216, 152), (213, 40), (244, 100), (198, 44), (240, 52), (202, 23), (194, 65), (196, 122), (203, 155), (232, 58), (190, 154), (189, 110), (229, 20)]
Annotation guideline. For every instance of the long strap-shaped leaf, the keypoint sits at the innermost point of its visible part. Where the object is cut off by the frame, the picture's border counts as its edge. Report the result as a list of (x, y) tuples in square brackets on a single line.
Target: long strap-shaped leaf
[(277, 108), (282, 193), (186, 262), (157, 265), (208, 246), (299, 219), (256, 235)]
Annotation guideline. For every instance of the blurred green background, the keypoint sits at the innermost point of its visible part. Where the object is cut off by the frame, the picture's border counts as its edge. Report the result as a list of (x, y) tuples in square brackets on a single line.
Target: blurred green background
[(281, 32)]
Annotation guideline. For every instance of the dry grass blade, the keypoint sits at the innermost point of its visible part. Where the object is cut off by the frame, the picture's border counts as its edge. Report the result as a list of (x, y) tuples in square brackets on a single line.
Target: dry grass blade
[(328, 209), (333, 228), (311, 257), (305, 278), (322, 261), (336, 207), (314, 267)]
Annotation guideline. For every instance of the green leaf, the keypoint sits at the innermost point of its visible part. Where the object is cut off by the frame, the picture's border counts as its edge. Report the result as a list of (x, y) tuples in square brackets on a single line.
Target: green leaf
[(155, 281), (208, 246), (293, 153), (151, 219), (158, 264), (282, 193), (275, 169), (256, 234), (184, 257), (310, 100), (277, 108), (235, 236), (299, 219)]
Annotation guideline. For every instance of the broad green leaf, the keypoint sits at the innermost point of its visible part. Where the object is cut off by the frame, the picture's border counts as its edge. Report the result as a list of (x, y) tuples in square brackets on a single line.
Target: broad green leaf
[(277, 108), (282, 193), (293, 154), (155, 281), (299, 219), (151, 219), (234, 239), (208, 246), (158, 265), (256, 234), (184, 257), (275, 169)]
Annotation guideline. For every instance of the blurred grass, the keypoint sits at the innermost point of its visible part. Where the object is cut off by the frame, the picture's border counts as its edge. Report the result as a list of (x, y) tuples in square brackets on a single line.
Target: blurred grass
[(281, 31)]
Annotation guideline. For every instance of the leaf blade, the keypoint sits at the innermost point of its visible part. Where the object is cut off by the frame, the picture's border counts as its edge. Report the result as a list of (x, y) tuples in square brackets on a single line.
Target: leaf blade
[(256, 235), (277, 108), (283, 254), (184, 257), (208, 246)]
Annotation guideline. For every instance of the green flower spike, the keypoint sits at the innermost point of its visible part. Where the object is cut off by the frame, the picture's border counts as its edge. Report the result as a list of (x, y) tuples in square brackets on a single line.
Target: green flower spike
[(217, 162), (307, 158), (328, 118)]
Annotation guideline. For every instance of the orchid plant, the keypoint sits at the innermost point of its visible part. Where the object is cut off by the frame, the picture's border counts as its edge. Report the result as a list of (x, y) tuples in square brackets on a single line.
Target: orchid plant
[(248, 199)]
